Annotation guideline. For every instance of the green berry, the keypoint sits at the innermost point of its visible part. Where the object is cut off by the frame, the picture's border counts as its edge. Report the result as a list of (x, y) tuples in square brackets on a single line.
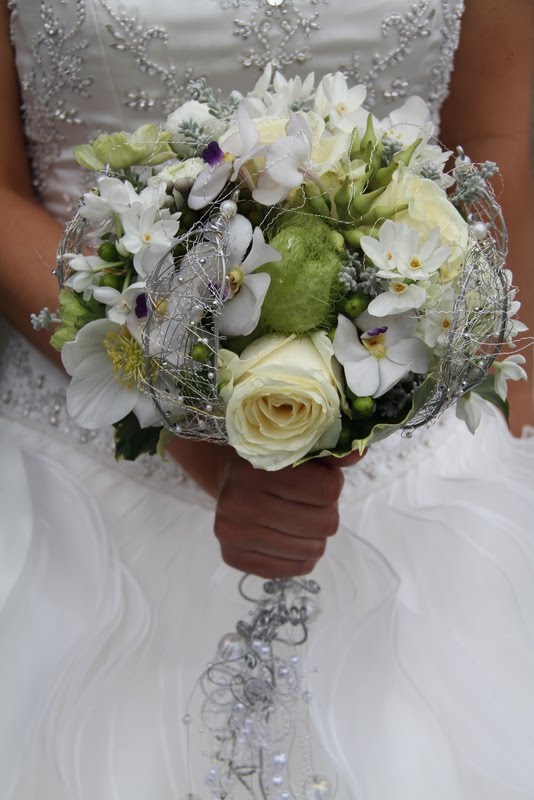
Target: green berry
[(200, 352), (363, 407), (111, 279), (355, 304), (108, 252)]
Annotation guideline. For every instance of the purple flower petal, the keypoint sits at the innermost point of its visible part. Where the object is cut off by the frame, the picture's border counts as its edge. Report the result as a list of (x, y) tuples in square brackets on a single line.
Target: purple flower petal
[(213, 154), (374, 332), (141, 308)]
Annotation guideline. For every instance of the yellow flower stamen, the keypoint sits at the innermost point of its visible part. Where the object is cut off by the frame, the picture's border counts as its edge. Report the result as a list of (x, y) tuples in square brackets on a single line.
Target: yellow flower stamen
[(126, 357), (389, 255), (147, 237), (415, 263), (341, 108), (235, 278), (228, 158), (376, 345), (398, 288), (446, 323)]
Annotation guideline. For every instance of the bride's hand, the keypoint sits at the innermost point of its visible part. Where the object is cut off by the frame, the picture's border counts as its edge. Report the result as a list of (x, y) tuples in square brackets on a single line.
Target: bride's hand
[(276, 524)]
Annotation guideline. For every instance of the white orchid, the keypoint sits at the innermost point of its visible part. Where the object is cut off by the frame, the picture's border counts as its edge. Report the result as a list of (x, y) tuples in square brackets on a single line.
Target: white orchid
[(341, 105), (107, 367), (148, 234), (86, 273), (385, 353), (225, 159), (508, 370), (125, 308), (398, 252), (247, 290), (409, 122), (287, 161), (470, 408)]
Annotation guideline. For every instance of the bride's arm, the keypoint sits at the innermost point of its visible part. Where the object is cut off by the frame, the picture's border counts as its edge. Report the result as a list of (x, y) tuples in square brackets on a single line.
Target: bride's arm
[(488, 112)]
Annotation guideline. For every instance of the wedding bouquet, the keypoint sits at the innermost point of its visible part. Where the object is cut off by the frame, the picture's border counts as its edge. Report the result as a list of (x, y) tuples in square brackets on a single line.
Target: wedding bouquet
[(284, 272)]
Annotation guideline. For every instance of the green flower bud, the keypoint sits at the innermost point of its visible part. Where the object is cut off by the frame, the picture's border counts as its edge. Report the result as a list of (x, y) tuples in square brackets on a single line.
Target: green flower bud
[(383, 212), (405, 156), (200, 352), (361, 204), (147, 146), (355, 145), (384, 175), (369, 137), (343, 197), (111, 279), (353, 236), (108, 252), (355, 304), (363, 407), (338, 241), (315, 200)]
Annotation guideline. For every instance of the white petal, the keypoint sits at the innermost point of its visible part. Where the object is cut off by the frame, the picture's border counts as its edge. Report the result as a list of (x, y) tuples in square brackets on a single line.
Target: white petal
[(107, 295), (390, 374), (94, 397), (363, 377), (208, 185), (250, 136), (145, 411), (374, 250), (89, 341), (239, 236), (393, 303), (284, 158), (260, 253), (268, 192), (412, 352), (241, 314), (347, 345)]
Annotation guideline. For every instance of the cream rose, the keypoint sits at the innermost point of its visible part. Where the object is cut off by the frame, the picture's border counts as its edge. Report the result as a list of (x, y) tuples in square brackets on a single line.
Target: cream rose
[(428, 206), (183, 173), (282, 398)]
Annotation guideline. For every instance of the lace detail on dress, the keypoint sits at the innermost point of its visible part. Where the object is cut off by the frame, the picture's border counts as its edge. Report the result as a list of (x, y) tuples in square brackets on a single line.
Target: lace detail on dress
[(276, 26), (414, 24), (54, 80), (131, 35), (450, 38)]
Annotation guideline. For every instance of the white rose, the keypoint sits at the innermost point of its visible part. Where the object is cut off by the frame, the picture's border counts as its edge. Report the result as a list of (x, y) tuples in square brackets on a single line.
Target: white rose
[(429, 206), (184, 173), (282, 398), (192, 111)]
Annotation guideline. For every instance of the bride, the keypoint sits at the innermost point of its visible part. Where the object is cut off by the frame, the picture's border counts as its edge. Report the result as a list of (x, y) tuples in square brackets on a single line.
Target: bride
[(113, 592)]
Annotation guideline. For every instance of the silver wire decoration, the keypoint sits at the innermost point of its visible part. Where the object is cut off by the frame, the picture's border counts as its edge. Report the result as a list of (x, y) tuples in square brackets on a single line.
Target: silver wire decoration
[(250, 693), (480, 315)]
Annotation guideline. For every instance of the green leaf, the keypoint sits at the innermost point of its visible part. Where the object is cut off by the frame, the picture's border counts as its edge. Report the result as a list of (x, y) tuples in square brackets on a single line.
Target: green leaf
[(131, 440), (486, 390)]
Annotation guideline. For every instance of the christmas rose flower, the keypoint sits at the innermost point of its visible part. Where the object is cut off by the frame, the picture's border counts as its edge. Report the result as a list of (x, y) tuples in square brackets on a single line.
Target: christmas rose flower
[(282, 398)]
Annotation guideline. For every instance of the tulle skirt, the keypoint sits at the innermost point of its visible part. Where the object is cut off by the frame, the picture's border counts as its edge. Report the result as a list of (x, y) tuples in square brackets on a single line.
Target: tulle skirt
[(420, 666)]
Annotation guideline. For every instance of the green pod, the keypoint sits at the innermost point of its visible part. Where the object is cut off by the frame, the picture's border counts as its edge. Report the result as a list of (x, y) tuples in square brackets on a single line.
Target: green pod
[(384, 175), (338, 241), (343, 197), (315, 200), (382, 212), (405, 156), (355, 145), (353, 236), (363, 407), (369, 137), (355, 304), (361, 204)]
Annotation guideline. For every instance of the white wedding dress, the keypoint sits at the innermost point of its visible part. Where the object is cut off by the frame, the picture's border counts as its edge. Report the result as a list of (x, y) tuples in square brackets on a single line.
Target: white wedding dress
[(112, 591)]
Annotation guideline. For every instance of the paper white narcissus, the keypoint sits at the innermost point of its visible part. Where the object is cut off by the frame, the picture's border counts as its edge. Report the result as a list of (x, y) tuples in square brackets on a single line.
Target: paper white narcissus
[(508, 370), (148, 234), (86, 273), (386, 352), (107, 365)]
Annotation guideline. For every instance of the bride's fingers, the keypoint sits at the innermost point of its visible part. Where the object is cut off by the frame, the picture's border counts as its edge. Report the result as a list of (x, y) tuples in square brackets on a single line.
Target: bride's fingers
[(262, 539)]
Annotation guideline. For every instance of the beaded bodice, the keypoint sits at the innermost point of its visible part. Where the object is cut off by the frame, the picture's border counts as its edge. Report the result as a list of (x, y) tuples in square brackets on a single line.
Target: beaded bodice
[(89, 66)]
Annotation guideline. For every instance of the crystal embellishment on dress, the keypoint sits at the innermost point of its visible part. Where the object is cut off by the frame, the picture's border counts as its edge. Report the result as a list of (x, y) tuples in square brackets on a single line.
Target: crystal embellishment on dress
[(55, 77), (276, 26)]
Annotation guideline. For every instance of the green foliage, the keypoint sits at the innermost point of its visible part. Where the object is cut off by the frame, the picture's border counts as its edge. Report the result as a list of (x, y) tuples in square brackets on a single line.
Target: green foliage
[(131, 440), (75, 313)]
